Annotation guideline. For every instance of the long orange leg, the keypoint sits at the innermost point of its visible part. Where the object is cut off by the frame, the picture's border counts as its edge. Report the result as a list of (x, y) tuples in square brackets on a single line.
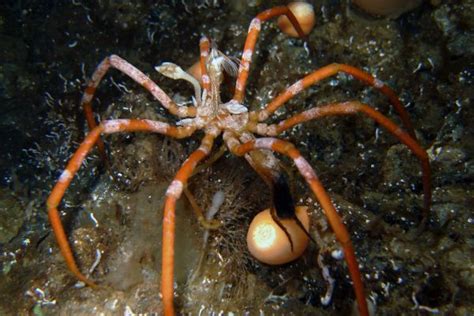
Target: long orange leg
[(354, 107), (106, 127), (204, 53), (326, 72), (173, 193), (249, 47), (128, 69), (334, 219)]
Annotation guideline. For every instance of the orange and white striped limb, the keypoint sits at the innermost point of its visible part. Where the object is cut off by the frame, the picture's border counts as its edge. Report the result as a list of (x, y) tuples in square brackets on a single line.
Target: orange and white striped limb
[(139, 77), (106, 127), (342, 235), (249, 46), (204, 46), (326, 72), (351, 108), (173, 193)]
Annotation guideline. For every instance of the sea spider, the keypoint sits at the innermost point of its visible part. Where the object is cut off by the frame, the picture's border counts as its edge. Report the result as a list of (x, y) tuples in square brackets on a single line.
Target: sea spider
[(239, 128)]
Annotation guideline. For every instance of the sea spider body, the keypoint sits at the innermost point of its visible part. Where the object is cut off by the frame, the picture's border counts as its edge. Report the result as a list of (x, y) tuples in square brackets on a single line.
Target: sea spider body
[(211, 114), (244, 132)]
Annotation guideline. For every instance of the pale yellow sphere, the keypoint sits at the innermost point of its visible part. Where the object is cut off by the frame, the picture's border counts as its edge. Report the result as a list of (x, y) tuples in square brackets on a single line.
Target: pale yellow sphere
[(268, 243), (304, 13), (390, 8)]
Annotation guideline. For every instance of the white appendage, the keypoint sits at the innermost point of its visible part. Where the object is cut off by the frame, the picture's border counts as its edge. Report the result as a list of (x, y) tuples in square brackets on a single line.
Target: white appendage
[(217, 201), (326, 299)]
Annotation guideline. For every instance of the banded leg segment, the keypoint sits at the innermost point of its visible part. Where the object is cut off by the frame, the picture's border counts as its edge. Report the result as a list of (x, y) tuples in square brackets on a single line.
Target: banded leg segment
[(204, 54), (334, 219), (354, 107), (128, 69), (169, 225), (249, 47), (57, 194), (326, 72), (54, 199)]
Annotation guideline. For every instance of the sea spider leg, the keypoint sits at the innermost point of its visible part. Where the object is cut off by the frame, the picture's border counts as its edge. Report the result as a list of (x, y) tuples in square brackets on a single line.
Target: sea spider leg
[(106, 127), (128, 69), (249, 46), (354, 107), (328, 71), (204, 46), (173, 193), (342, 235)]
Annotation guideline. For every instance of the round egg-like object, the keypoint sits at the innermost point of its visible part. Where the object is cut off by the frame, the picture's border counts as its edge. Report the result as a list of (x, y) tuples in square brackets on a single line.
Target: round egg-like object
[(304, 13), (268, 243), (390, 8)]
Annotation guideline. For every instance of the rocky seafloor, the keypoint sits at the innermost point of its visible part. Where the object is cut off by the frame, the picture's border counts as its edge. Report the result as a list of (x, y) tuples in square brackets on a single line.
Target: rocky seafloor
[(112, 214)]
